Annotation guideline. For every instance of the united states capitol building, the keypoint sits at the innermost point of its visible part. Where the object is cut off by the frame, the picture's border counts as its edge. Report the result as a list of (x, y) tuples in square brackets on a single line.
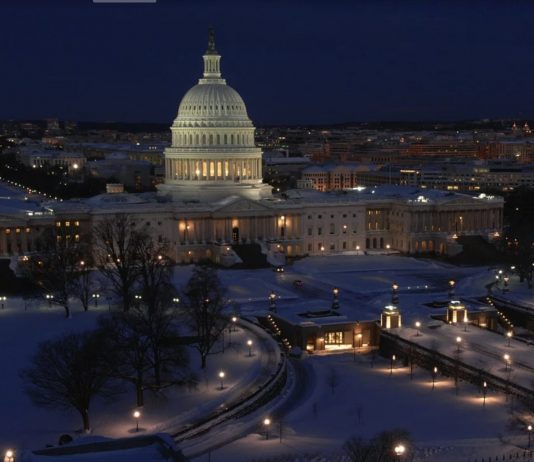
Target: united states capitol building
[(213, 200)]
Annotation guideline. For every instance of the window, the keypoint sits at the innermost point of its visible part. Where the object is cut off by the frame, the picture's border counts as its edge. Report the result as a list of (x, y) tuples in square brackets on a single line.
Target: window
[(310, 231), (309, 247), (76, 223), (8, 231), (332, 228), (333, 338), (67, 224), (319, 216), (58, 224), (319, 231)]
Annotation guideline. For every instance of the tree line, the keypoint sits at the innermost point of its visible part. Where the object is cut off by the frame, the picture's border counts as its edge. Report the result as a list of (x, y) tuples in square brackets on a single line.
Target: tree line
[(141, 344)]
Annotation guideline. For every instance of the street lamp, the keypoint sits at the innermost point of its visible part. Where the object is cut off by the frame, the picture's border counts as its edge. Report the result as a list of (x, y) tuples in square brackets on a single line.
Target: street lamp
[(418, 327), (484, 392), (138, 299), (399, 451), (176, 300), (394, 293), (272, 301), (434, 375), (458, 342), (221, 378), (9, 456), (234, 322), (393, 358), (335, 302), (451, 289), (507, 361), (529, 429), (49, 297), (506, 279), (3, 299), (136, 415), (266, 425), (509, 335), (96, 296), (249, 344)]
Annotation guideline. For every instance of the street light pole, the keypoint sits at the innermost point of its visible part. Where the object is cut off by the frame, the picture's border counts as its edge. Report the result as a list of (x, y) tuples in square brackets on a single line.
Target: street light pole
[(393, 358), (394, 294), (484, 392), (249, 344), (434, 374), (335, 302)]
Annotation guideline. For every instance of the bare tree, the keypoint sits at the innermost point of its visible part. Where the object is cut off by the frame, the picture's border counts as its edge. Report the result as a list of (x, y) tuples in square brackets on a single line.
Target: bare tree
[(204, 301), (116, 245), (68, 373), (55, 268), (380, 448), (155, 269), (332, 379)]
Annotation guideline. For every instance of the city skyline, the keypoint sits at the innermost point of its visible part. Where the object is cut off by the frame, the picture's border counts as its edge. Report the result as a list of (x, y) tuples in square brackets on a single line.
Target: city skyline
[(292, 63)]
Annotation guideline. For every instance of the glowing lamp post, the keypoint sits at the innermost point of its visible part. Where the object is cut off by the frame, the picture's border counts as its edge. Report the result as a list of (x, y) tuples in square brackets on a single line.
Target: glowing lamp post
[(506, 358), (458, 343), (509, 335), (136, 415), (506, 280), (3, 299), (9, 456), (434, 375), (272, 301), (249, 344), (266, 425), (49, 297), (176, 301), (451, 289), (529, 429), (221, 378), (418, 327), (335, 302), (138, 299), (234, 322), (393, 358), (95, 297), (394, 294), (399, 451), (484, 393)]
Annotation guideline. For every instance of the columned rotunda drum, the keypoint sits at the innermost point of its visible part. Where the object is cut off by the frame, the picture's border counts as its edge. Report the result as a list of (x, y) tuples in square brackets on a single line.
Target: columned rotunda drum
[(213, 154)]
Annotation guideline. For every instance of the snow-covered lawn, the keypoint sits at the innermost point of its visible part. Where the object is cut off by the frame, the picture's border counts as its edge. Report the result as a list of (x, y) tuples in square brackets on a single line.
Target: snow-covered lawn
[(25, 426), (368, 400), (365, 402)]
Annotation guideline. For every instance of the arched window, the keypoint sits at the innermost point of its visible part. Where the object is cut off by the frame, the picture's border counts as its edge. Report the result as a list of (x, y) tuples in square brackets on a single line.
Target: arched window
[(218, 139), (211, 140), (225, 138), (203, 139), (190, 139), (232, 138)]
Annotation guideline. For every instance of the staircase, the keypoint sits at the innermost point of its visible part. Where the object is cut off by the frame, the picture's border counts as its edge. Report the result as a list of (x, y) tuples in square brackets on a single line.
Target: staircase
[(251, 256)]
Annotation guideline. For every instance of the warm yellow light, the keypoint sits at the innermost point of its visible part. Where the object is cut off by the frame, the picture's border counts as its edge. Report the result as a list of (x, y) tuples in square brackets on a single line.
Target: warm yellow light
[(266, 421), (137, 414), (221, 374), (249, 342)]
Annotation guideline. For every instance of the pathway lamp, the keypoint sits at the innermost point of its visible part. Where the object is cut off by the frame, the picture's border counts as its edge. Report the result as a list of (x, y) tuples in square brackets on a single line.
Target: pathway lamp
[(221, 378), (136, 416), (95, 297), (3, 299), (509, 336), (418, 327), (452, 283), (399, 451), (335, 302), (266, 425), (434, 375), (393, 358), (458, 342), (484, 393), (249, 344), (272, 301), (529, 429)]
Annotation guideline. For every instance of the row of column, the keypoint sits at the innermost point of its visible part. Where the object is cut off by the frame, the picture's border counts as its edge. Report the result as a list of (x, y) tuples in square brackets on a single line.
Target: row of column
[(456, 221), (231, 169)]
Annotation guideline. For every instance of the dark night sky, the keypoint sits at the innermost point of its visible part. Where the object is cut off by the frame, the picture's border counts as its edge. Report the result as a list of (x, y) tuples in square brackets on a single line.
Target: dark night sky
[(292, 61)]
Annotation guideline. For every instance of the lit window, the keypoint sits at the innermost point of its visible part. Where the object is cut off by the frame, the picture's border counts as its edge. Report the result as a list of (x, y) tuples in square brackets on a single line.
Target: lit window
[(17, 230), (28, 230), (8, 231), (76, 223), (67, 223), (58, 223)]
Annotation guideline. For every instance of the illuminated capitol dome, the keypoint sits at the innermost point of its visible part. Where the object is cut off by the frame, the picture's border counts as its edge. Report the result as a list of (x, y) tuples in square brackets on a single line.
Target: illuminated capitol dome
[(213, 154)]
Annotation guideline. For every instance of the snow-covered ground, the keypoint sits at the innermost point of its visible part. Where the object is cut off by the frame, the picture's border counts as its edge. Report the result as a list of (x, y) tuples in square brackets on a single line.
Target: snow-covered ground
[(366, 401)]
